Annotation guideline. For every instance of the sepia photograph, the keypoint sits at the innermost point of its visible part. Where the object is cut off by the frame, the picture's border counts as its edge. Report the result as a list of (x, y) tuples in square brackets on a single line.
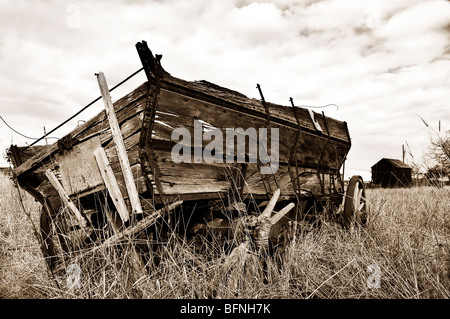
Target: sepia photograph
[(225, 155)]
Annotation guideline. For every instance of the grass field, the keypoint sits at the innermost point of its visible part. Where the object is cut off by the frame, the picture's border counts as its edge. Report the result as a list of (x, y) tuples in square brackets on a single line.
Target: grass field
[(403, 252)]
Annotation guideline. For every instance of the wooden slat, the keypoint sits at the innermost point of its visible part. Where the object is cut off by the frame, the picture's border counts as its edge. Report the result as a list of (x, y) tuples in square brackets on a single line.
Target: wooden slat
[(120, 146), (65, 198), (180, 110), (270, 206), (111, 183), (140, 226), (186, 178), (277, 217), (223, 98)]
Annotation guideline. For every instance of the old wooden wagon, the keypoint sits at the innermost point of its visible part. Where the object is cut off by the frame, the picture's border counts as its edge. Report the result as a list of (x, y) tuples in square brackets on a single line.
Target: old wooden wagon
[(161, 158)]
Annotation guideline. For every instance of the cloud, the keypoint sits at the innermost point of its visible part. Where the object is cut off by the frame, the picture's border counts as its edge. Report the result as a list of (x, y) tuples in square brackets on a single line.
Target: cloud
[(381, 62)]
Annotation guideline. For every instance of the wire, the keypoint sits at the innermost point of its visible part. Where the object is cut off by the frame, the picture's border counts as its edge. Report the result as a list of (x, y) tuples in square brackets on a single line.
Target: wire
[(322, 106), (84, 108), (17, 132)]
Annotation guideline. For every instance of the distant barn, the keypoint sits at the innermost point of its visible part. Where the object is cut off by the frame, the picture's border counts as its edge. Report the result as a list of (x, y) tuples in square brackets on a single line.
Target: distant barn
[(391, 173)]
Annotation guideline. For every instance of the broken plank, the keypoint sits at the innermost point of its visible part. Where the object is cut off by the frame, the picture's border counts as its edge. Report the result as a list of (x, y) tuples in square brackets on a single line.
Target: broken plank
[(111, 183), (125, 105), (140, 226), (65, 198), (314, 121), (120, 146)]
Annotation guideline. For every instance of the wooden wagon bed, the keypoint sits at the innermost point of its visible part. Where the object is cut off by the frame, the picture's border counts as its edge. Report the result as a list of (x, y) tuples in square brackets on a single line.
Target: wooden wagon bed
[(312, 147), (121, 164)]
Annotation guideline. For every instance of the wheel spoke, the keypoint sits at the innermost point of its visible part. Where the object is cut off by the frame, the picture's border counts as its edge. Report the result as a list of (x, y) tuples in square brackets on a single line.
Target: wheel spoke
[(361, 205), (360, 217), (355, 201), (359, 197), (355, 198)]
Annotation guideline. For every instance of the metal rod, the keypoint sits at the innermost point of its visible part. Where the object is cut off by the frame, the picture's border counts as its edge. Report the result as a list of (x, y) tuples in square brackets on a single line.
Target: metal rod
[(264, 104), (268, 188), (295, 181)]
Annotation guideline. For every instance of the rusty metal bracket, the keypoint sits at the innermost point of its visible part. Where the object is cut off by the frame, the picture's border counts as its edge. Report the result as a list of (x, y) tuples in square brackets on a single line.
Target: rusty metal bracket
[(266, 183), (236, 175), (320, 164), (154, 73), (14, 155), (266, 107), (295, 180), (151, 69)]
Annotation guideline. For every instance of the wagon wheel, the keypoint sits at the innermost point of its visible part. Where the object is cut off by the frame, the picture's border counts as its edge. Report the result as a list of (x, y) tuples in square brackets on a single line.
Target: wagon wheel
[(355, 202), (272, 233), (280, 237), (62, 238)]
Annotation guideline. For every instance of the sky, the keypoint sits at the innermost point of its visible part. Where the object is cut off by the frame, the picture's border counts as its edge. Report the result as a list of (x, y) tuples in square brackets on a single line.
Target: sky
[(385, 64)]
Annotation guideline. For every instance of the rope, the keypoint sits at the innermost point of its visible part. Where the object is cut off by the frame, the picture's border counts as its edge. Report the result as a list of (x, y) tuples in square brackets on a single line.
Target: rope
[(83, 109)]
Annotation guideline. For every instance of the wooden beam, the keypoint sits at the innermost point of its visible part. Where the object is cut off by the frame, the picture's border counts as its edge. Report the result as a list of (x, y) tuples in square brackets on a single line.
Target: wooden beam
[(267, 213), (90, 128), (120, 146), (65, 198), (133, 257), (140, 226), (277, 217), (111, 183)]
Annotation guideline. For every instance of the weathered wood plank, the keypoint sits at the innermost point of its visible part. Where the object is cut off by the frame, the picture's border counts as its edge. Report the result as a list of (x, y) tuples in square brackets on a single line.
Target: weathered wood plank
[(204, 177), (65, 198), (228, 99), (21, 154), (111, 183), (308, 147), (140, 226), (180, 111), (124, 108), (120, 146), (78, 167), (314, 121), (130, 143), (127, 128)]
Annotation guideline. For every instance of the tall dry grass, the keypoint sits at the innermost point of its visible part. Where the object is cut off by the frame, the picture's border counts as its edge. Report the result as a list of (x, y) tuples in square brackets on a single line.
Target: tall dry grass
[(22, 267), (407, 239)]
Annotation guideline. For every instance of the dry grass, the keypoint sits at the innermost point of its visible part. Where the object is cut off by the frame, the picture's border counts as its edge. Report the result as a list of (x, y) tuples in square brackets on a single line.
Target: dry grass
[(407, 238), (21, 263)]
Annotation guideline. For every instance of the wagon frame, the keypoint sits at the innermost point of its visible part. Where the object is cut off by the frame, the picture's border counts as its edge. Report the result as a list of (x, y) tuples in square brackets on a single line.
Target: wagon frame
[(117, 170)]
